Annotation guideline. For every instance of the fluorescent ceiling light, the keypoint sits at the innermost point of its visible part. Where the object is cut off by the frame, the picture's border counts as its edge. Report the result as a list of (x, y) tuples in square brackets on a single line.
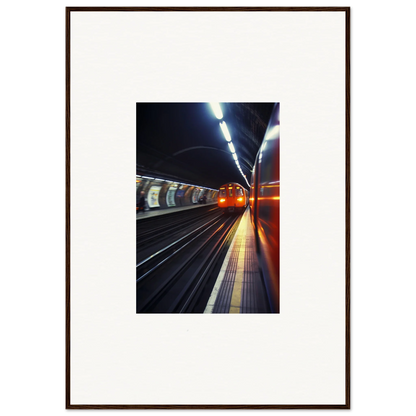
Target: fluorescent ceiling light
[(231, 146), (217, 110), (273, 133), (225, 131), (234, 156)]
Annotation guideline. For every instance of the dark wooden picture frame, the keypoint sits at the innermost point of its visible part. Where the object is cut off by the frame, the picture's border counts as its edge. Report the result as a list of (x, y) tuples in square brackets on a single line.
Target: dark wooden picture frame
[(350, 401)]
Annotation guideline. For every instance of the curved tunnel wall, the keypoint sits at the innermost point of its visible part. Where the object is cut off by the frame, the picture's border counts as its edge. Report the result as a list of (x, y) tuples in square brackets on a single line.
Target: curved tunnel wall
[(164, 194)]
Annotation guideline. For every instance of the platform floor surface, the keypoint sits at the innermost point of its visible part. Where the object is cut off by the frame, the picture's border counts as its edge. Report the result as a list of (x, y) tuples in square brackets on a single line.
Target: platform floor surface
[(239, 287)]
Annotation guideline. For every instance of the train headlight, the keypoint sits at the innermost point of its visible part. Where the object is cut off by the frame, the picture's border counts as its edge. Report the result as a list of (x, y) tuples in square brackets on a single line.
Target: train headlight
[(239, 199), (222, 200)]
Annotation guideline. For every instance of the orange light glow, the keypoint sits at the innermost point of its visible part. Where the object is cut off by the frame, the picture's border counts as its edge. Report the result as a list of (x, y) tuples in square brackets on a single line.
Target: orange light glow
[(239, 199), (222, 200), (262, 198)]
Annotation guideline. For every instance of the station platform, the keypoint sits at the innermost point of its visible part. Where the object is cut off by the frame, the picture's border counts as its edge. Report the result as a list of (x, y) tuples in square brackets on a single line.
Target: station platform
[(158, 212), (239, 287)]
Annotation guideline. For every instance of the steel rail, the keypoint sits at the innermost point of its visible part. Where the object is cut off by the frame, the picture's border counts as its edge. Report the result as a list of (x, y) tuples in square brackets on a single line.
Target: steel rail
[(150, 235), (213, 255), (215, 220)]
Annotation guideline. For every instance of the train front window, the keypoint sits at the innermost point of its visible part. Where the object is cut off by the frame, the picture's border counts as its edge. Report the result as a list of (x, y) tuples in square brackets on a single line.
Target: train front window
[(238, 192), (230, 191), (222, 193)]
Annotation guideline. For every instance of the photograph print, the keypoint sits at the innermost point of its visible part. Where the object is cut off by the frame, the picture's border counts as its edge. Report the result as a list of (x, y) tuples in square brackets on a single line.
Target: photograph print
[(207, 208)]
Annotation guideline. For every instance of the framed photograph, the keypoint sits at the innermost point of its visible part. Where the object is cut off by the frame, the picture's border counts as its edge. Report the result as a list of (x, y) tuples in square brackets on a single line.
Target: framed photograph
[(228, 285)]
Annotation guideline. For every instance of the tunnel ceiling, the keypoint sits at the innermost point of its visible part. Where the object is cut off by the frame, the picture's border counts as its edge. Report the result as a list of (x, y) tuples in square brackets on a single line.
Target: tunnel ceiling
[(183, 141)]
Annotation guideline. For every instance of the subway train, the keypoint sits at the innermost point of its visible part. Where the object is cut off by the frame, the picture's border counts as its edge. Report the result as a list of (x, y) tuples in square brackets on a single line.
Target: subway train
[(265, 208), (232, 197)]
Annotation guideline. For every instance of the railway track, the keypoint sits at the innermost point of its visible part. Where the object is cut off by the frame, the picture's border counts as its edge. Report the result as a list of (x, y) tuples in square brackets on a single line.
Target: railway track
[(179, 277), (152, 234)]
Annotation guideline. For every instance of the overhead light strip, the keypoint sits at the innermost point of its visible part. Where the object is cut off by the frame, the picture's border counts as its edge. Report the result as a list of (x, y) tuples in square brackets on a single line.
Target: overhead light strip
[(218, 113)]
